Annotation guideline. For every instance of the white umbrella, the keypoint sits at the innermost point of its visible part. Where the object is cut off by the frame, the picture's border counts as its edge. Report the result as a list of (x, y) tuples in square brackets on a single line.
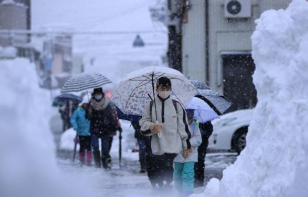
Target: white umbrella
[(84, 81), (203, 112), (137, 87)]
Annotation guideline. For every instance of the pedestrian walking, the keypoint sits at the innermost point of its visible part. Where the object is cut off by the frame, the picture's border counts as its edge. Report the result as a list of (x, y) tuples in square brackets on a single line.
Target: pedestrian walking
[(184, 167), (102, 123), (82, 126), (67, 111), (117, 126), (206, 131), (141, 139), (166, 122)]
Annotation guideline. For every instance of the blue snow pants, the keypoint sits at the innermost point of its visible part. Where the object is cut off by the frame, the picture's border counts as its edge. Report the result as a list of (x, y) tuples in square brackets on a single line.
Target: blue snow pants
[(184, 176)]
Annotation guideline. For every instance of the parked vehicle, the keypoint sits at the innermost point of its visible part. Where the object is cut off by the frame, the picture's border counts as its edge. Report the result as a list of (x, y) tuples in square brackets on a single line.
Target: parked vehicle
[(230, 130)]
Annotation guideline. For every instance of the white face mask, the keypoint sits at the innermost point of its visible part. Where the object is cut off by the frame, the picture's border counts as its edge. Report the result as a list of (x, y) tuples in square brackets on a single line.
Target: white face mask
[(98, 96), (164, 94)]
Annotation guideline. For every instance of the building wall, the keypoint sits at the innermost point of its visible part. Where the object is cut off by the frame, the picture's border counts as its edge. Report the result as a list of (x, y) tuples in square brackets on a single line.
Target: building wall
[(13, 17), (193, 45), (225, 36), (232, 36)]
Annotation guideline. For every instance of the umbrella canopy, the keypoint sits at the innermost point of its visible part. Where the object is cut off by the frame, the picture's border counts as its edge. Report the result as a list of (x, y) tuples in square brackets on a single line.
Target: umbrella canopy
[(203, 112), (137, 87), (62, 99), (84, 81), (200, 85), (215, 100), (123, 116)]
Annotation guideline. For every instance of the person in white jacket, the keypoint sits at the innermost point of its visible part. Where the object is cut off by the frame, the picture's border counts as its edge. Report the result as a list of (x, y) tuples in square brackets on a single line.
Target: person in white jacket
[(169, 132), (184, 167)]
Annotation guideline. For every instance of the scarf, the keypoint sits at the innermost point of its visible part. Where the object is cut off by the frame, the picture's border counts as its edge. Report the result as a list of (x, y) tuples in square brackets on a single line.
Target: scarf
[(99, 105)]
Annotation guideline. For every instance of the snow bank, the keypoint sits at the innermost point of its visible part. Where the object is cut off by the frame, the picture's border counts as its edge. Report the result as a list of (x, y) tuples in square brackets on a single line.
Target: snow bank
[(67, 140), (8, 52), (28, 165), (274, 163)]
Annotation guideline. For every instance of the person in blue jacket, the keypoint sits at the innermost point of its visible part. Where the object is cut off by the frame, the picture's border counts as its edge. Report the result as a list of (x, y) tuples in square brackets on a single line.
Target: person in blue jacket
[(82, 126)]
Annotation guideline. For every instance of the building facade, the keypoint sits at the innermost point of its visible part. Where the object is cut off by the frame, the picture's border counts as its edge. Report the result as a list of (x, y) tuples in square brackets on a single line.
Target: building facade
[(14, 15), (216, 45)]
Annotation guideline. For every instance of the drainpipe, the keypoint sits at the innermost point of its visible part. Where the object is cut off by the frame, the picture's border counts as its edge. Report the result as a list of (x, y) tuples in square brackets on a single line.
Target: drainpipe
[(207, 43)]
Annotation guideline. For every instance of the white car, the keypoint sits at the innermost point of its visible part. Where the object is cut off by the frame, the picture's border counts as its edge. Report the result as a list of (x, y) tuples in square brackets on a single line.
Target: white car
[(229, 131)]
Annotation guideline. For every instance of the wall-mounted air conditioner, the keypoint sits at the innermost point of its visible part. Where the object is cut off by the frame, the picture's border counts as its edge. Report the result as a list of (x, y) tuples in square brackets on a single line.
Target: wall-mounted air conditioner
[(237, 8)]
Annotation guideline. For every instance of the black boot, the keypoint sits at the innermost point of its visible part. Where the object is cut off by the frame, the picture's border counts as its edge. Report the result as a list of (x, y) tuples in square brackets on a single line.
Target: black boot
[(106, 162), (97, 159), (106, 159)]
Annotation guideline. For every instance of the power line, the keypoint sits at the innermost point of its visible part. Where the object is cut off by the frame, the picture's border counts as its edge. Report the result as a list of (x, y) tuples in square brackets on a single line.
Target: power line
[(40, 33)]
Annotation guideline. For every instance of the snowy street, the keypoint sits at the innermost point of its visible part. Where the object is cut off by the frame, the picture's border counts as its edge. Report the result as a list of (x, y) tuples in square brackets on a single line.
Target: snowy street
[(166, 81), (126, 181)]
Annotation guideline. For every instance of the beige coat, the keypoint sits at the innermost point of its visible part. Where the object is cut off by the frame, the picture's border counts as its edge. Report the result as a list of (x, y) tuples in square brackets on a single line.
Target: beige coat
[(175, 131)]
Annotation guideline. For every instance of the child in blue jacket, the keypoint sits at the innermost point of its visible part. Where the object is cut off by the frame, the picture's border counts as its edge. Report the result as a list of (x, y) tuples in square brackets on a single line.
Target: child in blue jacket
[(82, 126), (184, 173)]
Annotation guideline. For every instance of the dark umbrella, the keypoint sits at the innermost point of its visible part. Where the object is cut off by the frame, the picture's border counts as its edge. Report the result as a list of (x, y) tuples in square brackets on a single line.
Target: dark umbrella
[(128, 117), (200, 85), (213, 98), (62, 99)]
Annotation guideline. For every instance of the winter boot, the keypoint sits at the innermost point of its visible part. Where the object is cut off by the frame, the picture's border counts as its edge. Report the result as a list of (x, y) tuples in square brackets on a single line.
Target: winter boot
[(82, 156), (97, 158), (89, 158), (106, 163)]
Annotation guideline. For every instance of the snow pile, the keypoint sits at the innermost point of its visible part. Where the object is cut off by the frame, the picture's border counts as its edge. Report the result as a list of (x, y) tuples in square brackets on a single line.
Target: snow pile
[(274, 163), (8, 52), (67, 140), (28, 165)]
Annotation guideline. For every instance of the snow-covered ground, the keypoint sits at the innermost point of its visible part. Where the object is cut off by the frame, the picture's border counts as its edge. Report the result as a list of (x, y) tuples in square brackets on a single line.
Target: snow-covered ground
[(126, 181)]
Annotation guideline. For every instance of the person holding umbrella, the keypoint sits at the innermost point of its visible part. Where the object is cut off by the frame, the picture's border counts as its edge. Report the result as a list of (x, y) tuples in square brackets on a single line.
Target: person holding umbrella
[(117, 126), (206, 131), (68, 103), (102, 123), (203, 113), (166, 122), (141, 139)]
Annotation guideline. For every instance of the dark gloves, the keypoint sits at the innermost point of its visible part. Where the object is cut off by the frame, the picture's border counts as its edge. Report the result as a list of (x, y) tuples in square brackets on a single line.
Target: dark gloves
[(120, 129)]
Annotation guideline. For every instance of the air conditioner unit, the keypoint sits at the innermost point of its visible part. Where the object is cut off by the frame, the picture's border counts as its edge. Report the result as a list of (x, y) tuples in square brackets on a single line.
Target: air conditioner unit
[(237, 8)]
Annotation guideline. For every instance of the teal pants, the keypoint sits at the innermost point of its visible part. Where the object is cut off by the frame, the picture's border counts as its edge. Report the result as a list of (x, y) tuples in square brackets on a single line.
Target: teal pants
[(184, 176)]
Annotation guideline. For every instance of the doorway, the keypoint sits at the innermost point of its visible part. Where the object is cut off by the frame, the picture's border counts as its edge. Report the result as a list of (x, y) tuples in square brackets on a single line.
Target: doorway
[(237, 81)]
